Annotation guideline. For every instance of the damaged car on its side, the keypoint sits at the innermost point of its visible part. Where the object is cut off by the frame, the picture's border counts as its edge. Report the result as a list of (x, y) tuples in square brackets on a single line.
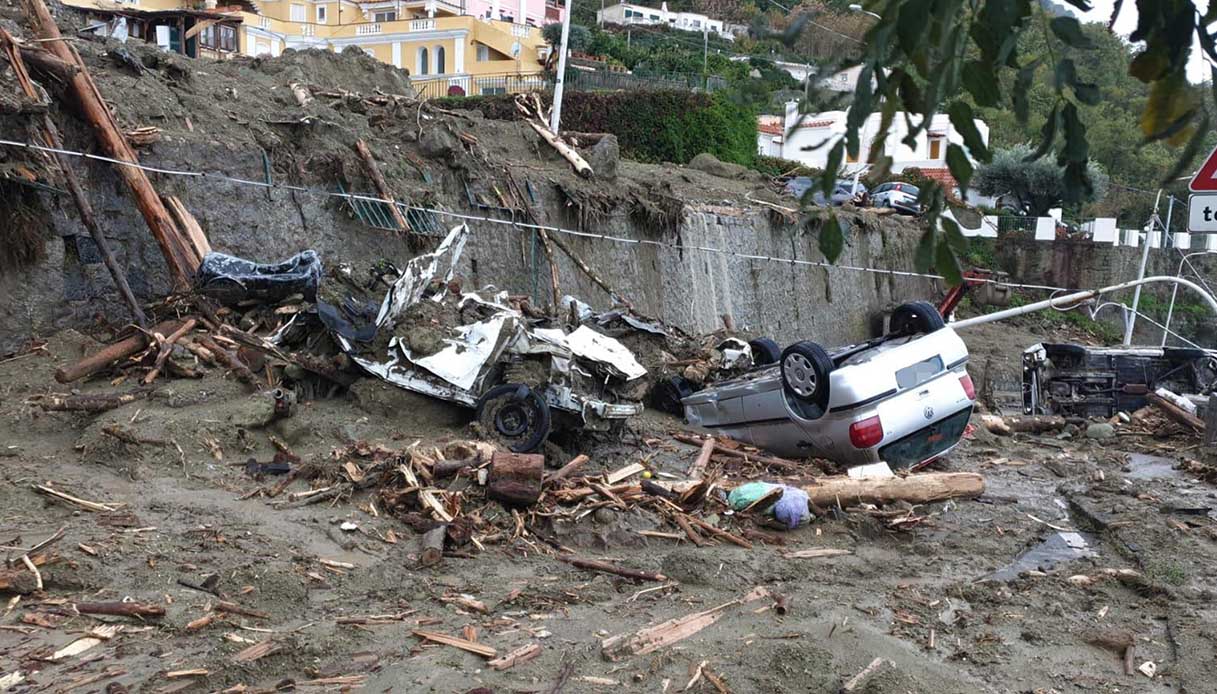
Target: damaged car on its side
[(903, 398), (1080, 381)]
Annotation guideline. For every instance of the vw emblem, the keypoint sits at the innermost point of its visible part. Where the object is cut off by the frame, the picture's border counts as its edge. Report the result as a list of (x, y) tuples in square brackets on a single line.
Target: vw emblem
[(929, 413)]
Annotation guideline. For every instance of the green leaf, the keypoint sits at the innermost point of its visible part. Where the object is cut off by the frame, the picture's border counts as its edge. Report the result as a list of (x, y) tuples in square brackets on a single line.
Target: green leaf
[(1022, 87), (923, 260), (1189, 152), (961, 168), (1047, 135), (1066, 73), (828, 179), (911, 24), (1077, 148), (1068, 30), (963, 120), (1087, 93), (981, 83), (947, 264), (832, 238), (954, 236)]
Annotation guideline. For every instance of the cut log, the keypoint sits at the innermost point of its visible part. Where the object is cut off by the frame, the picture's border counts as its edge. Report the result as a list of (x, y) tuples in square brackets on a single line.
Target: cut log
[(1023, 424), (382, 187), (112, 353), (515, 478), (46, 62), (97, 113), (915, 489), (698, 468), (89, 403), (433, 546), (120, 609)]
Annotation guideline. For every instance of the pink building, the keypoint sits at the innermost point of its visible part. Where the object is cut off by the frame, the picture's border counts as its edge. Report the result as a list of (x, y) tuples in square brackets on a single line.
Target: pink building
[(533, 12)]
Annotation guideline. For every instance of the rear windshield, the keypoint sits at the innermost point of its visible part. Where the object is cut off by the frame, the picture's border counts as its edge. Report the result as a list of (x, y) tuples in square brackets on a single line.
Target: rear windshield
[(916, 374), (907, 188)]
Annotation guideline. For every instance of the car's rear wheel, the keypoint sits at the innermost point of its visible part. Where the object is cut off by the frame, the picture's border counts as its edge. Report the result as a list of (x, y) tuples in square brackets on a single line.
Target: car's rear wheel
[(515, 415), (805, 369), (765, 351), (916, 317), (667, 394)]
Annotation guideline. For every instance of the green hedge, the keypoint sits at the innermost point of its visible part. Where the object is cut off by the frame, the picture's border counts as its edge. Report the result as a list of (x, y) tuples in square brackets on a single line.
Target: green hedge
[(652, 126)]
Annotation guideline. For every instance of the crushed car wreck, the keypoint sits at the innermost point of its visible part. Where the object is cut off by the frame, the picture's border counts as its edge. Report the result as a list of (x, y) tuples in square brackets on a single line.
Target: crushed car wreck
[(525, 377), (1079, 381), (903, 398)]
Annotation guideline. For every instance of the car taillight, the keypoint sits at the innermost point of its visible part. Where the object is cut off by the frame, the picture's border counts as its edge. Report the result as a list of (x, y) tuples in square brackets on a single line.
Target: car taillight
[(866, 433), (968, 389)]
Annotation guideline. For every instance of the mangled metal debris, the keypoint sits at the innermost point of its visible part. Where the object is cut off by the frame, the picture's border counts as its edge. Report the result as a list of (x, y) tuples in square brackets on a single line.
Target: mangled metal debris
[(514, 370)]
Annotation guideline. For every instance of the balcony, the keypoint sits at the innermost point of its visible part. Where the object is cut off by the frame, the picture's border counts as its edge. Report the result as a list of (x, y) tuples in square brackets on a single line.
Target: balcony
[(366, 29), (422, 25)]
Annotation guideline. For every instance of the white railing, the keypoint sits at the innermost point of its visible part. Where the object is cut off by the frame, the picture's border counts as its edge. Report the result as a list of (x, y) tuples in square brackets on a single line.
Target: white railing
[(264, 22), (520, 31), (307, 30), (364, 29), (422, 25)]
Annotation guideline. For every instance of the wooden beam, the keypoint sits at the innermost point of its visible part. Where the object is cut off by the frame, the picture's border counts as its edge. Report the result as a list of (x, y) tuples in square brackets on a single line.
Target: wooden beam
[(915, 489), (382, 186)]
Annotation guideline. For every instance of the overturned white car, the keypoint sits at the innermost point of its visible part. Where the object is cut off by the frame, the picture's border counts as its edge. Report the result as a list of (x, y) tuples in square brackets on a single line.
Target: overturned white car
[(904, 398)]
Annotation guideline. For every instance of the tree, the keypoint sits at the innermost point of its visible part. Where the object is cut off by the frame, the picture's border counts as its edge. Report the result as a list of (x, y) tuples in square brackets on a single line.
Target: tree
[(932, 56), (1038, 185), (578, 39)]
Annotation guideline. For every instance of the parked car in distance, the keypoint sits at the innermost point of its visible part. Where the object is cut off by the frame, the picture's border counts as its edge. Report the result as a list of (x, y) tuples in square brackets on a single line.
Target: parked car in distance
[(904, 398), (899, 196), (844, 191)]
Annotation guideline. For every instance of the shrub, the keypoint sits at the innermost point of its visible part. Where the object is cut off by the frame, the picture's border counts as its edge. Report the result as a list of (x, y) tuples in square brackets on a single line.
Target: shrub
[(660, 125)]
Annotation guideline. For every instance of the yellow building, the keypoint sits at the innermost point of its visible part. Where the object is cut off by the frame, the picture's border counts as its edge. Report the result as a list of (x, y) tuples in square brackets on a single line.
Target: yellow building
[(446, 51)]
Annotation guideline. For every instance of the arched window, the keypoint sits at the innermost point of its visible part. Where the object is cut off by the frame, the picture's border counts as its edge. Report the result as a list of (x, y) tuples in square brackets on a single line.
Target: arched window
[(439, 60), (423, 60)]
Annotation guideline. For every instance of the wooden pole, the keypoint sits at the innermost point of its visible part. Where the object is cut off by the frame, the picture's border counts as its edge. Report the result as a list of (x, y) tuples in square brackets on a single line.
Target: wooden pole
[(115, 145), (112, 353), (382, 187), (915, 489), (51, 135)]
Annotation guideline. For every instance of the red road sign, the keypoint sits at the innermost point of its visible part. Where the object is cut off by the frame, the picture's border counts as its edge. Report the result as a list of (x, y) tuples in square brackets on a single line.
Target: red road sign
[(1205, 180)]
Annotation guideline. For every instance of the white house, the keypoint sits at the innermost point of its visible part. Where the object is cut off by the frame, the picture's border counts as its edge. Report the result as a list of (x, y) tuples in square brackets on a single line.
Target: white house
[(778, 136), (627, 14)]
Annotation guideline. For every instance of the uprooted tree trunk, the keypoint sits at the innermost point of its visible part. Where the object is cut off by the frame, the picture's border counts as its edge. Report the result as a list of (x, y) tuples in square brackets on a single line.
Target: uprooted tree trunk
[(915, 489)]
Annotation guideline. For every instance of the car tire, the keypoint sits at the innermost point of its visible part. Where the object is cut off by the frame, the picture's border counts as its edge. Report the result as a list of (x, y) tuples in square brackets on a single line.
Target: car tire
[(765, 351), (916, 317), (667, 394), (515, 415), (805, 369)]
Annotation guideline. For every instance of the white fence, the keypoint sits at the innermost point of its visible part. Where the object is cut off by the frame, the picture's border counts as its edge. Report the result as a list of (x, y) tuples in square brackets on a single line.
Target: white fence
[(1102, 230)]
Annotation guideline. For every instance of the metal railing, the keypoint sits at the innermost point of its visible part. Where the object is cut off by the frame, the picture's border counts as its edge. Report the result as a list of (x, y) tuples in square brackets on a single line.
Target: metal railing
[(434, 87)]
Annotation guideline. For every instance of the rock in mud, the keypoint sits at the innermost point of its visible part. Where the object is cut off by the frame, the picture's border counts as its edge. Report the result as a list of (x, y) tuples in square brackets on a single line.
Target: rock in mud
[(437, 143), (604, 157), (710, 164), (1100, 431)]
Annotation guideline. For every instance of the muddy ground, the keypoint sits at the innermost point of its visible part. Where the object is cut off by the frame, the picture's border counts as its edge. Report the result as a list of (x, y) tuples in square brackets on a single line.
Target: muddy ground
[(924, 598)]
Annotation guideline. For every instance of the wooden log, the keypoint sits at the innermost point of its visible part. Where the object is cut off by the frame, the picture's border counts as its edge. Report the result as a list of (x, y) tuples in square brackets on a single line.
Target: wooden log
[(605, 567), (382, 187), (463, 644), (232, 361), (112, 353), (448, 468), (89, 403), (720, 449), (522, 654), (120, 609), (46, 62), (1023, 424), (196, 238), (568, 153), (432, 552), (515, 478), (568, 469), (1176, 413), (167, 349), (97, 113), (914, 489)]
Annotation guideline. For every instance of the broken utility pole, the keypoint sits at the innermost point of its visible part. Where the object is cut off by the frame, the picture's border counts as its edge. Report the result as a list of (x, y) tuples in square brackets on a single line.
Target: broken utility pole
[(178, 257)]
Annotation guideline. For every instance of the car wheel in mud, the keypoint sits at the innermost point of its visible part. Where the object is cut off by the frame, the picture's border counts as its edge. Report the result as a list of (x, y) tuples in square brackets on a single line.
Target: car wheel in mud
[(667, 394), (765, 351), (515, 415), (805, 370), (916, 317)]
